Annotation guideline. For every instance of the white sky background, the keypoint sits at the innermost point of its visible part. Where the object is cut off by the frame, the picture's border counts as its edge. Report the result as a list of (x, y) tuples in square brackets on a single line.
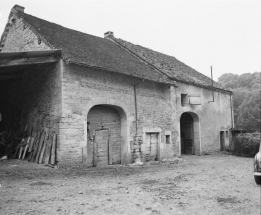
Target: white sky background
[(200, 33)]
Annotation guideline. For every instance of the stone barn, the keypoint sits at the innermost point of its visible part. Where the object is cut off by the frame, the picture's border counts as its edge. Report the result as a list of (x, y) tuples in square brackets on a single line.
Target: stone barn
[(109, 101)]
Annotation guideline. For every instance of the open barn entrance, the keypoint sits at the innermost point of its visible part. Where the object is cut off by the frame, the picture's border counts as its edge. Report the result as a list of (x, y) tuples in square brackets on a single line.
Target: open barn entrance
[(106, 132), (190, 134), (20, 94)]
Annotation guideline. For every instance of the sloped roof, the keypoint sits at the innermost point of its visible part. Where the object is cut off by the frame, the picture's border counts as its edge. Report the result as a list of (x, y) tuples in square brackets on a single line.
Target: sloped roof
[(115, 54), (85, 49), (169, 65)]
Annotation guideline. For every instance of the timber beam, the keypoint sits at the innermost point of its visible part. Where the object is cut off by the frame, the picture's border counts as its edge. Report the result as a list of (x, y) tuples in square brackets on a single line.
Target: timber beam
[(28, 61)]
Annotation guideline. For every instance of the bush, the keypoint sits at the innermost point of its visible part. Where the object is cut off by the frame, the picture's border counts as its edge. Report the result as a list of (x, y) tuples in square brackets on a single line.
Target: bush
[(247, 144)]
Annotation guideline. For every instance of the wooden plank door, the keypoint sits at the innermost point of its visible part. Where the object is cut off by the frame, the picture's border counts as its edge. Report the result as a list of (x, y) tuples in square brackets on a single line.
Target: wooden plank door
[(151, 149), (102, 147), (153, 146)]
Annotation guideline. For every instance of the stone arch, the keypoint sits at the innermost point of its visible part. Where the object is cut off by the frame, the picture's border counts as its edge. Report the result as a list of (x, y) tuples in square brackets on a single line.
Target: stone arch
[(125, 122), (190, 141), (121, 106)]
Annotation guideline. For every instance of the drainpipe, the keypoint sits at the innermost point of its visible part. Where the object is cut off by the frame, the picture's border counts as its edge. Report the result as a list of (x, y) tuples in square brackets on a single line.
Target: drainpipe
[(232, 123), (136, 106), (231, 108), (212, 86)]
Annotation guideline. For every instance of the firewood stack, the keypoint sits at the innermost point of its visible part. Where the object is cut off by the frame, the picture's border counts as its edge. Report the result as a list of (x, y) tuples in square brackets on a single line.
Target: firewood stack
[(38, 147)]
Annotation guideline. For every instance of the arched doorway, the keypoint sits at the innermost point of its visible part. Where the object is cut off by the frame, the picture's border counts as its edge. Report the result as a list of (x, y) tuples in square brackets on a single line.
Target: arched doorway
[(190, 134), (106, 135)]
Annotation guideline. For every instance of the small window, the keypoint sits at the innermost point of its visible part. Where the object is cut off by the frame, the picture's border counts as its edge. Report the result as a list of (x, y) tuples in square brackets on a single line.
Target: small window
[(167, 139), (184, 100)]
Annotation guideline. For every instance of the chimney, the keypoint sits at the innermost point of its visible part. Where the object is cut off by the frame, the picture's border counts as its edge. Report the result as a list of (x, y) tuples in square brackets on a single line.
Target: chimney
[(108, 34), (19, 8)]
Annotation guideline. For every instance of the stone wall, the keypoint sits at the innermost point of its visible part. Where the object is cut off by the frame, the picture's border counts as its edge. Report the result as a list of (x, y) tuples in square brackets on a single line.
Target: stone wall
[(83, 87), (213, 116), (36, 98), (40, 97), (21, 37)]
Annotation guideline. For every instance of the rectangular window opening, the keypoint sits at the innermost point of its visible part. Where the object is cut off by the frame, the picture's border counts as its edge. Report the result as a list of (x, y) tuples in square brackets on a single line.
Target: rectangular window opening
[(167, 139), (184, 99)]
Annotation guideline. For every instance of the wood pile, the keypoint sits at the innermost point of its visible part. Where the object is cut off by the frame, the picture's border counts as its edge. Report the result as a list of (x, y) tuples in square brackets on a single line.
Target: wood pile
[(38, 147)]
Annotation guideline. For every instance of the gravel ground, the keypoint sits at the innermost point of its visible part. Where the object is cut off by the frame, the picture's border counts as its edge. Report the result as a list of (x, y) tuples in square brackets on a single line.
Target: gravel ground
[(212, 184)]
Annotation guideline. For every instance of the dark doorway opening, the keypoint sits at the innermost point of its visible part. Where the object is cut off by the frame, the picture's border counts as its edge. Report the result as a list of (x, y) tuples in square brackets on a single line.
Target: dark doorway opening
[(187, 134), (222, 140)]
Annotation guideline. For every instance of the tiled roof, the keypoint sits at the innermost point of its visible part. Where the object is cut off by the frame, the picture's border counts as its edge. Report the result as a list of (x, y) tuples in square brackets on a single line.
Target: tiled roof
[(85, 49), (116, 55), (169, 65)]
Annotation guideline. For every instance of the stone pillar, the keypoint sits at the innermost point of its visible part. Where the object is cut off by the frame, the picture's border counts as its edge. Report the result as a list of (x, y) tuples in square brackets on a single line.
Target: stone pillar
[(137, 153)]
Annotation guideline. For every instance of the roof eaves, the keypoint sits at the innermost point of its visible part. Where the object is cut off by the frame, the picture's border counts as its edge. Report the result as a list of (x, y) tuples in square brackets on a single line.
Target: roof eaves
[(135, 76)]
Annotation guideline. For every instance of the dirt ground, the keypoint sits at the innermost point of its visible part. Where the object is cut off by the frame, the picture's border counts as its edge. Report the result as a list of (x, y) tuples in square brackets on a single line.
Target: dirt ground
[(211, 184)]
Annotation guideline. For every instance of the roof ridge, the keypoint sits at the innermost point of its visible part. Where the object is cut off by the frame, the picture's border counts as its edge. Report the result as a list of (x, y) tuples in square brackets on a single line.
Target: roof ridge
[(169, 56), (140, 58)]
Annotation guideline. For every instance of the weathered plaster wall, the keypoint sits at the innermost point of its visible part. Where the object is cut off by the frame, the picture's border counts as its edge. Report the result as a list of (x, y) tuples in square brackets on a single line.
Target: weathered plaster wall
[(213, 116), (84, 87), (20, 37)]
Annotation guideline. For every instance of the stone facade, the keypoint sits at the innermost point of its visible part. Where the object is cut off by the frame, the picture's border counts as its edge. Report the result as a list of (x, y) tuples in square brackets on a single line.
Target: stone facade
[(59, 97), (84, 88), (213, 116), (21, 37)]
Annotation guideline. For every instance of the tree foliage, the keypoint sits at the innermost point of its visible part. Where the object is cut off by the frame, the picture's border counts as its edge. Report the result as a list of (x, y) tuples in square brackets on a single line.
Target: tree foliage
[(246, 99)]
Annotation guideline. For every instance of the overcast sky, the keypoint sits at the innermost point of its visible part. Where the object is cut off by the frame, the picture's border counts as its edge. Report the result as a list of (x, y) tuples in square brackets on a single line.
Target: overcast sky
[(200, 33)]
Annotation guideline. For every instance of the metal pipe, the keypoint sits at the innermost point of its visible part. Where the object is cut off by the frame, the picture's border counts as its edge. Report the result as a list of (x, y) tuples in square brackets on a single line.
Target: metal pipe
[(231, 107), (212, 85), (136, 111), (136, 106)]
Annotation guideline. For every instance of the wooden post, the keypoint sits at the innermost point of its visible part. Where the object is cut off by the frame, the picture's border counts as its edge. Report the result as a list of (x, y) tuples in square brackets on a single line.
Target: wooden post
[(31, 142), (40, 144), (35, 146), (42, 151), (26, 146), (53, 152), (94, 151), (48, 150), (21, 149), (109, 153)]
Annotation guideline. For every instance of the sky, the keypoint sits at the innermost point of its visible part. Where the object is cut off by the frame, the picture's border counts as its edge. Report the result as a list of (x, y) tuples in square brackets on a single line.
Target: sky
[(224, 34)]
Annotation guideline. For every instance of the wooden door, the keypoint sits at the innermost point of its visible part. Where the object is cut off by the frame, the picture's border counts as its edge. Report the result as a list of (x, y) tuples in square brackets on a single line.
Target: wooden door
[(151, 149), (109, 118), (102, 147)]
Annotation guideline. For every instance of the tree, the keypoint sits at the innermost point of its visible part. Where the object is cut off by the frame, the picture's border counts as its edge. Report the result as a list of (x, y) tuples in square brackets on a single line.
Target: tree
[(249, 112), (246, 90)]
